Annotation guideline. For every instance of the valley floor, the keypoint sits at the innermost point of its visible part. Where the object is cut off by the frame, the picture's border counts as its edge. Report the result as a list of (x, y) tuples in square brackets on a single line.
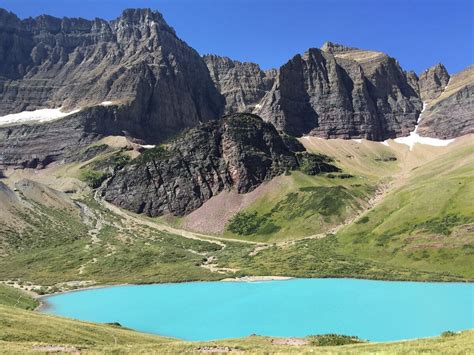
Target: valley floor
[(398, 215)]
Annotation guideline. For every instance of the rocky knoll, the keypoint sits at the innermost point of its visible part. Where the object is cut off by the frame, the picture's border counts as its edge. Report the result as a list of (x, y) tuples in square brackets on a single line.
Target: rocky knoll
[(451, 114), (136, 60), (240, 152), (243, 85), (342, 92)]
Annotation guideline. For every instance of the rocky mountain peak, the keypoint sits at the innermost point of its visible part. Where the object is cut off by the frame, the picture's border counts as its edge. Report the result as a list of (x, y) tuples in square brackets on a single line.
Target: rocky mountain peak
[(342, 92), (449, 103), (433, 81), (243, 84), (331, 47), (134, 20), (8, 19)]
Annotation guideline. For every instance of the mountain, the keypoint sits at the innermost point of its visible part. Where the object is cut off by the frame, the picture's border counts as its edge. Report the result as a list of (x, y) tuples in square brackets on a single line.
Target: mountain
[(342, 92), (136, 61), (450, 112), (243, 85), (134, 77), (238, 152)]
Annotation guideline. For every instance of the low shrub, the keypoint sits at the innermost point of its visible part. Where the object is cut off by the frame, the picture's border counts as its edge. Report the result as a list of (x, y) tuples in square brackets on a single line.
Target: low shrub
[(333, 340), (448, 333), (313, 164), (94, 178)]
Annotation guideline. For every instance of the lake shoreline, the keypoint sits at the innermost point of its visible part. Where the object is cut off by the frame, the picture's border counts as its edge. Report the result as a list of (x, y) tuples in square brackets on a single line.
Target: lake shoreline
[(333, 291), (43, 303)]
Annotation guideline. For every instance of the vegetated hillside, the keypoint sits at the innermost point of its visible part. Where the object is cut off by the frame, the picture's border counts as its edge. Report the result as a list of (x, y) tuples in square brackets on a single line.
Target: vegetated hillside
[(15, 298), (107, 245), (301, 206), (24, 332), (427, 222), (34, 215)]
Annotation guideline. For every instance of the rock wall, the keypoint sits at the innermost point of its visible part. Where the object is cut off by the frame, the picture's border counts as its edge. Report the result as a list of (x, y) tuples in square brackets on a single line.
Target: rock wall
[(243, 85), (342, 92), (451, 114), (136, 59)]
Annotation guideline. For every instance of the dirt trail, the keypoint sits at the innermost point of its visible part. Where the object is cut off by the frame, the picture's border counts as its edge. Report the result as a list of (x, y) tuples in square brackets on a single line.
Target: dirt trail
[(163, 228), (378, 197), (259, 246), (382, 191)]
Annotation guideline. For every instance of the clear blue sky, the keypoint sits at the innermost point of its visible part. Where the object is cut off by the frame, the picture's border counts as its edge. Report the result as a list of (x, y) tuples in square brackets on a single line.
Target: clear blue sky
[(419, 33)]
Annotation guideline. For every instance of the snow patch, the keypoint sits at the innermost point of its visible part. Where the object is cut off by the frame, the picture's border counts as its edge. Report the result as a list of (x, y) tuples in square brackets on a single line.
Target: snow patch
[(312, 137), (258, 106), (148, 146), (106, 103), (357, 140), (415, 138), (42, 115), (385, 143)]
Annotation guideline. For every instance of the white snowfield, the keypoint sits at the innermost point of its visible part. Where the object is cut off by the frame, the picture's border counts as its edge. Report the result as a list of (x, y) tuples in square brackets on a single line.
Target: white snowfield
[(42, 115), (106, 103), (415, 138)]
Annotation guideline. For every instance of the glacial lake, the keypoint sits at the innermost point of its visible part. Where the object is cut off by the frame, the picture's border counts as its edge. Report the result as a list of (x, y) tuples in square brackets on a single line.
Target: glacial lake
[(372, 310)]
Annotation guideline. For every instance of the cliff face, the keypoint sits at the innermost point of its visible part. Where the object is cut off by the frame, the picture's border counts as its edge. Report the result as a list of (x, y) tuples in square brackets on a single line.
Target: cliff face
[(37, 145), (341, 92), (243, 85), (451, 113), (136, 60), (240, 152)]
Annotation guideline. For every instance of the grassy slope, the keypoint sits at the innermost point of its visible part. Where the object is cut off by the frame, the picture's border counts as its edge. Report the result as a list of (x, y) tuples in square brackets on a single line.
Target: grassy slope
[(137, 254), (12, 297), (23, 331), (305, 205), (427, 223), (309, 205)]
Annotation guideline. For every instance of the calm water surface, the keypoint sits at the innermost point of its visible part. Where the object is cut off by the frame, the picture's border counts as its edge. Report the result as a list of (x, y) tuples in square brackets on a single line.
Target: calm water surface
[(372, 310)]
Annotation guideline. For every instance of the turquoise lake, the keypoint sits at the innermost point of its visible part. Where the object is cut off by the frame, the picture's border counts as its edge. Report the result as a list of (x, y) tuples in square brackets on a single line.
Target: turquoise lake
[(372, 310)]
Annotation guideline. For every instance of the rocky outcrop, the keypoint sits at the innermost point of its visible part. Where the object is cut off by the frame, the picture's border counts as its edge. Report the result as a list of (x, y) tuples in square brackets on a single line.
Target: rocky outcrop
[(342, 92), (432, 82), (136, 60), (243, 85), (451, 114), (238, 152)]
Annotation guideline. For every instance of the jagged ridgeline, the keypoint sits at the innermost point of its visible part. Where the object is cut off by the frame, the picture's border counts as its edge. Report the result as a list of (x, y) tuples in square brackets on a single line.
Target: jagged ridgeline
[(134, 76), (237, 152)]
